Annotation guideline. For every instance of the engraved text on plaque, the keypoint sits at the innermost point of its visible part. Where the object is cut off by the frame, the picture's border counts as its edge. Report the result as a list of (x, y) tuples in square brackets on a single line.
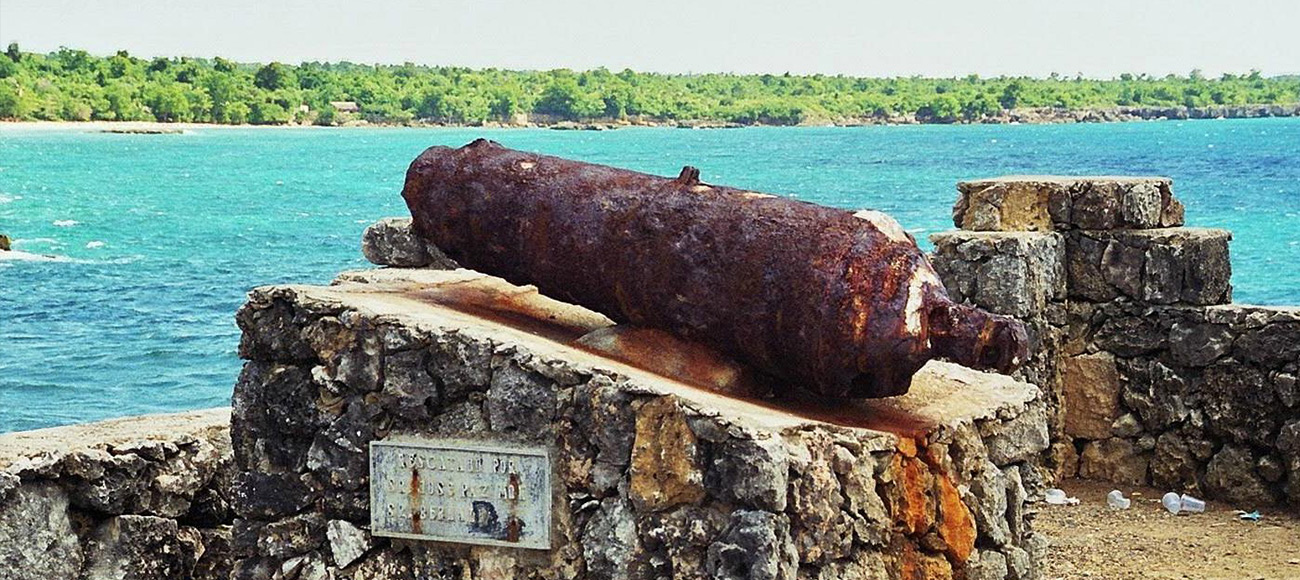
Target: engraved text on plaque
[(459, 491)]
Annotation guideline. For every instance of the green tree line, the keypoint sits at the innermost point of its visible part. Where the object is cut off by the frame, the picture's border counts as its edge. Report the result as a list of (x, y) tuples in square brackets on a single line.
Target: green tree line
[(73, 85)]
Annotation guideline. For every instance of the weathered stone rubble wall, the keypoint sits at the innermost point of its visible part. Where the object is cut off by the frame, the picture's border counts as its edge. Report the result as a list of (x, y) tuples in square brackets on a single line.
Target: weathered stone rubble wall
[(1152, 376), (141, 498), (653, 479)]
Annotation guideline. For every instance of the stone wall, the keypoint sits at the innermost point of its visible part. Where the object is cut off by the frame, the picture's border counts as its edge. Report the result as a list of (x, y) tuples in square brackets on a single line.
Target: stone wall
[(1189, 398), (141, 498), (1152, 376), (653, 478)]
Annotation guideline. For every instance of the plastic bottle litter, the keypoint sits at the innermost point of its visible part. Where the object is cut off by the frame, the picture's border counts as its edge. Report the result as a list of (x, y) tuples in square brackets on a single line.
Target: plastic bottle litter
[(1192, 505), (1172, 502), (1056, 496), (1116, 500)]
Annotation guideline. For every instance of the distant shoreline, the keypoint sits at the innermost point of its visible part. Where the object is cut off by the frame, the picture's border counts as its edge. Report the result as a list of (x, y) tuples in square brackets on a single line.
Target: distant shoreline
[(1039, 116)]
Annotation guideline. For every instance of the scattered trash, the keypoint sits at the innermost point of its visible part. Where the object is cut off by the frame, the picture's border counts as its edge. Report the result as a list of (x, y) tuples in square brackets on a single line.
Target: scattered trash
[(1192, 505), (1057, 497), (1248, 516), (1177, 504), (1116, 500), (1172, 502)]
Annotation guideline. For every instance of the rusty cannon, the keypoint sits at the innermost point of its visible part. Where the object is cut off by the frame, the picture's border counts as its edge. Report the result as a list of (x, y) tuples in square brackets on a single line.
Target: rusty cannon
[(834, 303)]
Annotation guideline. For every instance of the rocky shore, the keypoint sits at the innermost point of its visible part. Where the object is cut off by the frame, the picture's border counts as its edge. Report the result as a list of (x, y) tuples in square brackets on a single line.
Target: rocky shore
[(1031, 116), (1034, 116)]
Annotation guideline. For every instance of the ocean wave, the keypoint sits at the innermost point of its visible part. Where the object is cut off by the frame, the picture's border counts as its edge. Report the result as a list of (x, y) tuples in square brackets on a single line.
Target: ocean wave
[(9, 198), (94, 244), (122, 260), (65, 223), (20, 256), (46, 241)]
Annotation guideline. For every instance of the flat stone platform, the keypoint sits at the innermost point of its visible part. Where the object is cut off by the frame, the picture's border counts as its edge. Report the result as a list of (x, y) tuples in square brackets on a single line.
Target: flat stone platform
[(144, 430), (655, 473)]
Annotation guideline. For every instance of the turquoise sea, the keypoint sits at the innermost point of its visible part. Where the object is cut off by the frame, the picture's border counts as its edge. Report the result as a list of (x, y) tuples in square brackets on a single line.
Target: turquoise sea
[(158, 237)]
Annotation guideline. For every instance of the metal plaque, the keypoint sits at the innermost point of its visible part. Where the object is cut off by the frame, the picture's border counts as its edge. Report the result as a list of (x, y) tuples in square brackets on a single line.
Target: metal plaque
[(451, 490)]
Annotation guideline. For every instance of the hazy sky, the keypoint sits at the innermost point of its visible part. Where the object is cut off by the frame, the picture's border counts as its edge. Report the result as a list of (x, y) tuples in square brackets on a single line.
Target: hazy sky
[(1099, 38)]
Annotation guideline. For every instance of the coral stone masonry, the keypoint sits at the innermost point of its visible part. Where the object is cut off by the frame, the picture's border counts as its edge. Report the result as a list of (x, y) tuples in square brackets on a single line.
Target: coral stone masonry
[(651, 477), (1050, 203), (1151, 374), (141, 498)]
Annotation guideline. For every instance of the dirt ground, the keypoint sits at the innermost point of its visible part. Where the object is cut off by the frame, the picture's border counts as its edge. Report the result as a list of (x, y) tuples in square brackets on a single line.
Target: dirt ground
[(1090, 540)]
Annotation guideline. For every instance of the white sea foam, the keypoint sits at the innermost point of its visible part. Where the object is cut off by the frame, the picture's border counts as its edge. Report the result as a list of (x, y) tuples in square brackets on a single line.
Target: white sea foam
[(94, 244), (4, 198), (20, 256), (65, 223), (46, 241)]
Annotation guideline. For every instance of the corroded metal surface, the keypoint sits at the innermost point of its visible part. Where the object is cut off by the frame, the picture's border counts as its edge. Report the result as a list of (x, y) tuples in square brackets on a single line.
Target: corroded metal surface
[(835, 303), (455, 491)]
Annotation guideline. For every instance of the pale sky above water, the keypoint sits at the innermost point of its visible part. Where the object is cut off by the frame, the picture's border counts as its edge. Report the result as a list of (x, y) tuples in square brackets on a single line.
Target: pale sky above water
[(1098, 38)]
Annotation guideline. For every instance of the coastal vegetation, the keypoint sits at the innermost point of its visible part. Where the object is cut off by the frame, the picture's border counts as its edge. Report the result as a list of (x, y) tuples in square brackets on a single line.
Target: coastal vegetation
[(73, 85)]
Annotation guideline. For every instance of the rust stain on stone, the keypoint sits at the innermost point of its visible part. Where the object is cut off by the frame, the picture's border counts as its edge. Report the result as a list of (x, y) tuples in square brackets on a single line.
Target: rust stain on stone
[(668, 355), (833, 303), (521, 309), (914, 506), (927, 497), (658, 352), (917, 565), (956, 524), (877, 415), (907, 446)]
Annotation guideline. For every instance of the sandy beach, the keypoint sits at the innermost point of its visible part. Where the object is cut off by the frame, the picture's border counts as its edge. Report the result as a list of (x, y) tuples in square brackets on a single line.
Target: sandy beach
[(124, 126)]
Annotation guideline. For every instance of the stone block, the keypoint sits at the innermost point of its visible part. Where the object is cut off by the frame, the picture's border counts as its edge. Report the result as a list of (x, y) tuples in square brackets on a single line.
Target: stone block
[(665, 469), (215, 559), (37, 540), (391, 242), (347, 542), (1114, 459), (1175, 465), (1238, 405), (653, 477), (1158, 266), (1045, 203), (1019, 439), (1231, 475), (1090, 395), (1013, 273), (1198, 344), (140, 548)]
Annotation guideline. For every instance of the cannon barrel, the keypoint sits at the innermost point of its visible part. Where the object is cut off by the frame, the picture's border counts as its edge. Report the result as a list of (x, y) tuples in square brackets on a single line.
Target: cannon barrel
[(834, 303)]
